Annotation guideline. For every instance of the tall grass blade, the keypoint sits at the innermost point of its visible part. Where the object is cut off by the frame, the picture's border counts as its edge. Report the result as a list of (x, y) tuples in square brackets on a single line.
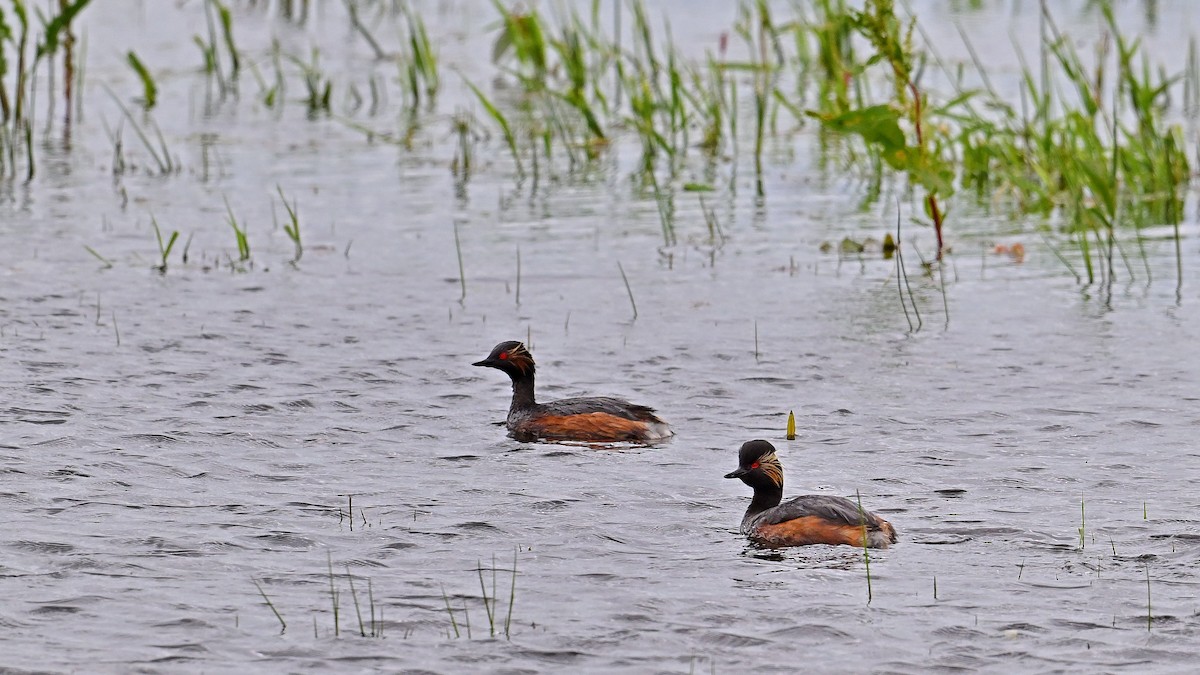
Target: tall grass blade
[(149, 88), (628, 290), (862, 514), (282, 623)]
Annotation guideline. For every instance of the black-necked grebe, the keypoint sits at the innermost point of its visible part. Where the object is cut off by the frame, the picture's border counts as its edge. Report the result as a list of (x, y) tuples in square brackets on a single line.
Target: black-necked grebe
[(809, 519), (595, 419)]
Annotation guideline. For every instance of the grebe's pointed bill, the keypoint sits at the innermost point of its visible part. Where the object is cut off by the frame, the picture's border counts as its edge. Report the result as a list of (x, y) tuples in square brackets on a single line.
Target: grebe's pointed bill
[(737, 473), (485, 362)]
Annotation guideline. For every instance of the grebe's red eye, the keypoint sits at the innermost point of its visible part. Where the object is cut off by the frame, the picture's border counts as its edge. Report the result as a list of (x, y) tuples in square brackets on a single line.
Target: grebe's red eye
[(503, 356), (754, 465)]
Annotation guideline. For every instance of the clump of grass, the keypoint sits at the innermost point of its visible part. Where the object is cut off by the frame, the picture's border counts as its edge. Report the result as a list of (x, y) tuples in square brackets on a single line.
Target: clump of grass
[(292, 227), (318, 87), (489, 600), (219, 46), (372, 626), (17, 68), (239, 234), (918, 156), (164, 248), (420, 67), (271, 95)]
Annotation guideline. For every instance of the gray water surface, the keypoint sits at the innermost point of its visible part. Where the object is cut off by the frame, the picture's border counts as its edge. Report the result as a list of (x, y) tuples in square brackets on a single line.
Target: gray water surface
[(168, 440)]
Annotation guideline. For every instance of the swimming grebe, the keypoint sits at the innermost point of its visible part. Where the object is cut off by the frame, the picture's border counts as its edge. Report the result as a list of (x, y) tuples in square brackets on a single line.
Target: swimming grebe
[(599, 419), (809, 519)]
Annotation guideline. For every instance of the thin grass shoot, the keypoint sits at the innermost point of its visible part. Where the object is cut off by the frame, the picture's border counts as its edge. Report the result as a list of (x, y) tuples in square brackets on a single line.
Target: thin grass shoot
[(862, 514), (628, 290), (274, 610)]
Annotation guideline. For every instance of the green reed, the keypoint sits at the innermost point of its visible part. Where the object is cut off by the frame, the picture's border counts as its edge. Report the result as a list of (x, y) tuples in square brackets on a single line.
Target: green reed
[(523, 38), (421, 65), (560, 67), (292, 227), (833, 36), (1067, 152), (149, 88), (219, 47), (706, 95), (758, 31), (239, 234), (164, 248), (225, 19)]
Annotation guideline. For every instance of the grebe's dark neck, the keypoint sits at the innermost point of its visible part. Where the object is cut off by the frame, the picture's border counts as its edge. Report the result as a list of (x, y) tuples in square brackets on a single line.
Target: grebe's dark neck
[(522, 392), (766, 496)]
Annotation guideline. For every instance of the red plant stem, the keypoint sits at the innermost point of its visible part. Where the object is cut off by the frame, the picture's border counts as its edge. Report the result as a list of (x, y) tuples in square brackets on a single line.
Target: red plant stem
[(935, 211), (936, 214)]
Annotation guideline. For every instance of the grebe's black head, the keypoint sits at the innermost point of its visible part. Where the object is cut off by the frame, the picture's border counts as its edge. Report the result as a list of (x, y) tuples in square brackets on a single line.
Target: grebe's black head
[(512, 357), (758, 465)]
